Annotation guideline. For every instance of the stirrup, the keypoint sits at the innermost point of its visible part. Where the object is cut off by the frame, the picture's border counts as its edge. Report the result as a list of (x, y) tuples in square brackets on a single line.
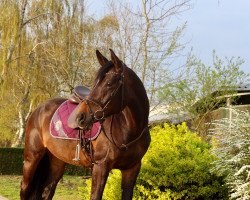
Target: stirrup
[(77, 153), (78, 146)]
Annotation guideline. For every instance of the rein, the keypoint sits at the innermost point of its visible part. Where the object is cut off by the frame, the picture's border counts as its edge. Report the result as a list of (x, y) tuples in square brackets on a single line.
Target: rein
[(104, 106), (101, 111), (122, 147)]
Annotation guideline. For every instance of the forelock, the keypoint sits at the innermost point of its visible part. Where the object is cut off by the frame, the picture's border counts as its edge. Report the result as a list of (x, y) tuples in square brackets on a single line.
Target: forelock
[(103, 70)]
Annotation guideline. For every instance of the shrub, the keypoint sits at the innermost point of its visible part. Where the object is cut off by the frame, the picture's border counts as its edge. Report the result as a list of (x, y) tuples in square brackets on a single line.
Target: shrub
[(76, 170), (112, 189), (11, 162), (176, 166), (232, 144)]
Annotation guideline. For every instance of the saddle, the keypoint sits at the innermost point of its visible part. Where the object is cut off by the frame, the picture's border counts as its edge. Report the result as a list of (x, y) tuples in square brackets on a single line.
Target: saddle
[(79, 93), (69, 128)]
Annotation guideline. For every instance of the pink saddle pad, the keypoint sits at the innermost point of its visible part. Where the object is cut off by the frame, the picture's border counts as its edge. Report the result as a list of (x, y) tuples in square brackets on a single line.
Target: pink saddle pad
[(59, 127)]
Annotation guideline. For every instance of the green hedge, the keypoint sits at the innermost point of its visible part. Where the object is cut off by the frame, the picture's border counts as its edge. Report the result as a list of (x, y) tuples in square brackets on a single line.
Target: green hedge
[(11, 163)]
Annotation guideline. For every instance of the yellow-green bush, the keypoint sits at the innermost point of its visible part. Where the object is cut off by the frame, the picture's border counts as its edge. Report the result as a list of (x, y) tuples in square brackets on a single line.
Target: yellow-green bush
[(176, 166), (112, 189)]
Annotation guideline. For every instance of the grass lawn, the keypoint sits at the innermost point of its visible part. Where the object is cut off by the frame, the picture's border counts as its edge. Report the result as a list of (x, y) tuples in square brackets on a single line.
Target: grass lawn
[(67, 189)]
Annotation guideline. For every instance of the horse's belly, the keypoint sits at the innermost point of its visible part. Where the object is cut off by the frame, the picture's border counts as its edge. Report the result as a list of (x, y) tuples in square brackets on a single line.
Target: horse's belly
[(65, 150)]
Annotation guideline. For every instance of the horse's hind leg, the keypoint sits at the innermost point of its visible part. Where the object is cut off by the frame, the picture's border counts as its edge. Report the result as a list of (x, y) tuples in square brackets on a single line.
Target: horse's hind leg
[(32, 156), (31, 161), (129, 177), (40, 176), (54, 174)]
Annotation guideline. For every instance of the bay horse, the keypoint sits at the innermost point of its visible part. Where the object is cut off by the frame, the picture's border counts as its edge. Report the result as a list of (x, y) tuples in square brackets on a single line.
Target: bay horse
[(118, 100)]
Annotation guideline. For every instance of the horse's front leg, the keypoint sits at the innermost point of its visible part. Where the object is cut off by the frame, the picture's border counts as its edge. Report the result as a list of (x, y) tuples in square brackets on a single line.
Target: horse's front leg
[(99, 177), (129, 177)]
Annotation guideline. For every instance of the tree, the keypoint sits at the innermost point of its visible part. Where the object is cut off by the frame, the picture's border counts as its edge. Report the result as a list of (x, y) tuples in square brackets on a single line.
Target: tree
[(194, 93), (15, 86), (146, 41), (46, 49)]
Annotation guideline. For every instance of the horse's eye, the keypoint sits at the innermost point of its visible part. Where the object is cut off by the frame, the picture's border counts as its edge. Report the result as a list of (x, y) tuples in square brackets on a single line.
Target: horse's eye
[(112, 81)]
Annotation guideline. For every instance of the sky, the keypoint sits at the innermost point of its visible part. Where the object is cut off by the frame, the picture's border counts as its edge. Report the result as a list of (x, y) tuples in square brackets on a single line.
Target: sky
[(220, 25)]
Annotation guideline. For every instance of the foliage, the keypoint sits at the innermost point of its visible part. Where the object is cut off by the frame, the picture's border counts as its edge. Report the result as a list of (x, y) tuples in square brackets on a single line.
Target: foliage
[(46, 48), (176, 166), (203, 83), (76, 171), (231, 144), (145, 43), (112, 189), (11, 162)]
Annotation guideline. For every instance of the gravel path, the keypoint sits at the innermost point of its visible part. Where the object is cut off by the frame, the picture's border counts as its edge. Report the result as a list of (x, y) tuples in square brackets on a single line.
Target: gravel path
[(3, 198)]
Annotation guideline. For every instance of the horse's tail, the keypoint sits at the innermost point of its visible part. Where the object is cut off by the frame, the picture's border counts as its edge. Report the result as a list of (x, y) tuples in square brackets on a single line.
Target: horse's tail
[(39, 178)]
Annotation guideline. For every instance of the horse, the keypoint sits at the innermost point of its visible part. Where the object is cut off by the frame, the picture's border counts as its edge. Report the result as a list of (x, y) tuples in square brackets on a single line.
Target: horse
[(118, 101)]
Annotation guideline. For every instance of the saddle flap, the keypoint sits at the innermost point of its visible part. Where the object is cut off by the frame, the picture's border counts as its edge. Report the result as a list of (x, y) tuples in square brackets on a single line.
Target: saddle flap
[(64, 126)]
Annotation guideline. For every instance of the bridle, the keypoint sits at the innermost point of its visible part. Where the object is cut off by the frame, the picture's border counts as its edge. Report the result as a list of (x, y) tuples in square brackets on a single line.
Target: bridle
[(99, 114)]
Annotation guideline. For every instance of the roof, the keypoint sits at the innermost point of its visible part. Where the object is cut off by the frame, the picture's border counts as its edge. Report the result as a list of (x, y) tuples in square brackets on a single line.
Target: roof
[(243, 88), (160, 113)]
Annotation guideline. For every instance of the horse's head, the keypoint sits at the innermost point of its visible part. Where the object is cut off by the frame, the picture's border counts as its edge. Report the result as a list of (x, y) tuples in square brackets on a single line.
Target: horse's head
[(106, 96)]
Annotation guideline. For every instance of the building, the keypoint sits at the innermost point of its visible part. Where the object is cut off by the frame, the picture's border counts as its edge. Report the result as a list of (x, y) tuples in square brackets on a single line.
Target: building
[(239, 99)]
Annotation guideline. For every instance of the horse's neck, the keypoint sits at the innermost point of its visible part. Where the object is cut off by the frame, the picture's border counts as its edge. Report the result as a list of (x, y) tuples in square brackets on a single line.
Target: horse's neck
[(135, 117), (137, 106)]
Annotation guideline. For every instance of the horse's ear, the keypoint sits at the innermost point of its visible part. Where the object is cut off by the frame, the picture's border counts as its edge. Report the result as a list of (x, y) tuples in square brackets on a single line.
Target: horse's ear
[(102, 60), (117, 62)]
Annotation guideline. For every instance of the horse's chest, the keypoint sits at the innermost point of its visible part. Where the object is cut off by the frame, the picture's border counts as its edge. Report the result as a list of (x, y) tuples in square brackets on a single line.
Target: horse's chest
[(125, 159)]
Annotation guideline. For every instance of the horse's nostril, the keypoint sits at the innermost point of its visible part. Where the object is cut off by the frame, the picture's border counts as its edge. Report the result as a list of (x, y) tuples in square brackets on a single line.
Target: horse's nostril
[(81, 118)]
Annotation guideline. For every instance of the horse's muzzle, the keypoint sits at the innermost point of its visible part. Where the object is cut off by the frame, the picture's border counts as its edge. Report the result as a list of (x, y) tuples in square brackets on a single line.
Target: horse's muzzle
[(84, 122), (81, 119)]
